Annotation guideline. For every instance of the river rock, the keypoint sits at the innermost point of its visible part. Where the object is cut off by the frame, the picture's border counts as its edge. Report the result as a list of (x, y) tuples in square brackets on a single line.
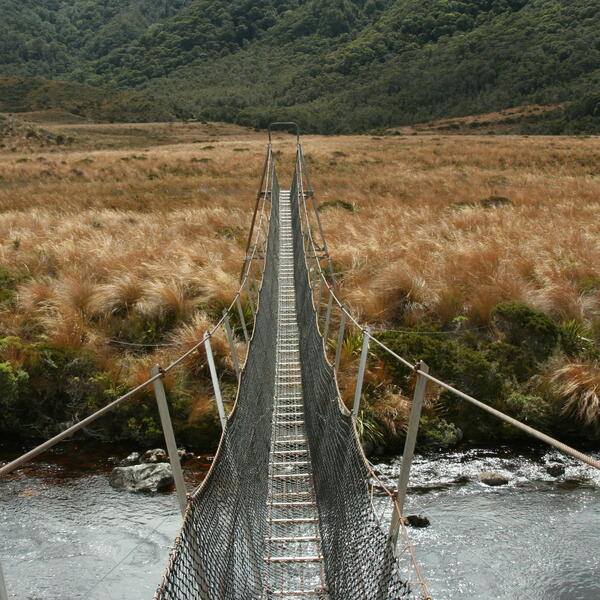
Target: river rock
[(132, 459), (493, 479), (184, 455), (556, 470), (142, 478), (158, 455), (416, 521)]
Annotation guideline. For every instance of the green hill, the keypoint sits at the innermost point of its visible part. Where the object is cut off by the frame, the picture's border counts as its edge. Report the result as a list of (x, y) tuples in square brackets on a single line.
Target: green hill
[(19, 94), (49, 38), (334, 65)]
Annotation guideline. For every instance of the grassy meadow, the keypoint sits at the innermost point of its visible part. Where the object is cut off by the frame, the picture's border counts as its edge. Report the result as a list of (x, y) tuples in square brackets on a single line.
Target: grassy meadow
[(134, 234)]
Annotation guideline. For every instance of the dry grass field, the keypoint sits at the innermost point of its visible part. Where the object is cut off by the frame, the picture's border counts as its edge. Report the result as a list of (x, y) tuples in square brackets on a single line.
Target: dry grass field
[(136, 233)]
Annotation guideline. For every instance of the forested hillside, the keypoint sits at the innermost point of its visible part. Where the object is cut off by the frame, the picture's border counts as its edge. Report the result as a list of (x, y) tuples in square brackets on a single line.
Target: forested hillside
[(48, 38), (334, 65)]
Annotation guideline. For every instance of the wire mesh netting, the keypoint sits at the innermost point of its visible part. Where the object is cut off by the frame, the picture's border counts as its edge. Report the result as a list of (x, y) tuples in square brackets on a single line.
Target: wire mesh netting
[(293, 553), (285, 511), (219, 551), (358, 558)]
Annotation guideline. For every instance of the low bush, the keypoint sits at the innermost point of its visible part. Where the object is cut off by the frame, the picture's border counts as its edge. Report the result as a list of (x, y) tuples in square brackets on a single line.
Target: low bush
[(523, 326)]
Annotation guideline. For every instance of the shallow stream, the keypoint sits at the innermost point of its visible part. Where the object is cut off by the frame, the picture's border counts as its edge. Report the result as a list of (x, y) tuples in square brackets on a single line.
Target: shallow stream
[(66, 534)]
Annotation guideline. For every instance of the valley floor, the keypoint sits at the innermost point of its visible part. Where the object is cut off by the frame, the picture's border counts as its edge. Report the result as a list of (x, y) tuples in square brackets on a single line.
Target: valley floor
[(117, 234)]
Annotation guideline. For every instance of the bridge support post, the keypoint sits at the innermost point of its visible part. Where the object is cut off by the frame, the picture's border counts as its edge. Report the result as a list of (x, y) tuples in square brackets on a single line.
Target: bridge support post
[(319, 298), (361, 370), (238, 303), (327, 319), (249, 293), (409, 451), (215, 380), (340, 339), (167, 427), (231, 340)]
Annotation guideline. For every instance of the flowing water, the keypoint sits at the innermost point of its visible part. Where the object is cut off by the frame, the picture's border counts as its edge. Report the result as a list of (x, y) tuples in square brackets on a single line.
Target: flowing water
[(66, 534), (537, 538)]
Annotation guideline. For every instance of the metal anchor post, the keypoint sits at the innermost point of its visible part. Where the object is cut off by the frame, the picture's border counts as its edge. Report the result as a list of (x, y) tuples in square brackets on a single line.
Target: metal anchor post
[(409, 452), (167, 427), (361, 370), (215, 380), (231, 340)]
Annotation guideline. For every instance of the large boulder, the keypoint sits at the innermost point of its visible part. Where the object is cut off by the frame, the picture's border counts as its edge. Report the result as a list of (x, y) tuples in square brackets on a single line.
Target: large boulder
[(142, 478)]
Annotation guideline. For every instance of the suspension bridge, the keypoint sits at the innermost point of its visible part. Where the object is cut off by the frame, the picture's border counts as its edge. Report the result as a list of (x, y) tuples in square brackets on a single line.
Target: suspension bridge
[(286, 510)]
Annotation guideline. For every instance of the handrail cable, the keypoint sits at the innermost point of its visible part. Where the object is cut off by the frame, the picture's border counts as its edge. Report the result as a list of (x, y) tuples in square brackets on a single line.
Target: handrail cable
[(372, 473), (28, 456), (566, 449)]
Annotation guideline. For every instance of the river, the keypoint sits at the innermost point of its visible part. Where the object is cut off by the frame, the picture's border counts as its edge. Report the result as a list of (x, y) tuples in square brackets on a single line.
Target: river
[(65, 534)]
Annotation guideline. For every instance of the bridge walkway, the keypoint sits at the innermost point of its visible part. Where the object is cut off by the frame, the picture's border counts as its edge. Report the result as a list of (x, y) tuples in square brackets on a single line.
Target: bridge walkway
[(293, 556)]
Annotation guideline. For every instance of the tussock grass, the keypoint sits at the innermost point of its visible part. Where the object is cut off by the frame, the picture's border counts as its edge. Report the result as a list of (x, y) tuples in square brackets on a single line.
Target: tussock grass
[(143, 243), (420, 245), (578, 385), (112, 254)]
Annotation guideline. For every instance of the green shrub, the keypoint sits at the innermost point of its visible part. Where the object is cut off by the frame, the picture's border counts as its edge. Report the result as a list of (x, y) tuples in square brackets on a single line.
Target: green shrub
[(12, 386), (523, 326), (468, 369), (572, 334), (9, 279), (336, 204), (137, 328), (495, 201), (61, 383), (368, 428), (439, 352), (437, 433), (588, 284), (512, 361), (531, 410)]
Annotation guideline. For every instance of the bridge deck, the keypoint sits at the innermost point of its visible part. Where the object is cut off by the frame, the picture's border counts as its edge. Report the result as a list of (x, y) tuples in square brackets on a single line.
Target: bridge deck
[(293, 557)]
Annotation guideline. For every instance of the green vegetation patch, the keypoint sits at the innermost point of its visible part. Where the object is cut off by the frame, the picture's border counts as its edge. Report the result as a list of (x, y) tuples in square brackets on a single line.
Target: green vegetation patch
[(335, 66), (336, 204), (521, 325), (9, 280), (29, 94)]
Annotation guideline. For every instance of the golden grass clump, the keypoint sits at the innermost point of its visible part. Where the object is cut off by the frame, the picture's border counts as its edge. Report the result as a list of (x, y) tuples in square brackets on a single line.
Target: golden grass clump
[(187, 335), (421, 243), (118, 296), (578, 386)]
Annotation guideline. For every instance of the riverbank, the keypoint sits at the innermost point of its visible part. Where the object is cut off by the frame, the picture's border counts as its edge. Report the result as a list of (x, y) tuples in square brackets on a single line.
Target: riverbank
[(67, 533)]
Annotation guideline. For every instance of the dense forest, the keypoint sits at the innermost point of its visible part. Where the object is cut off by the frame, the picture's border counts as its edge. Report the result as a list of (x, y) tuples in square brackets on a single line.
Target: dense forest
[(334, 65)]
